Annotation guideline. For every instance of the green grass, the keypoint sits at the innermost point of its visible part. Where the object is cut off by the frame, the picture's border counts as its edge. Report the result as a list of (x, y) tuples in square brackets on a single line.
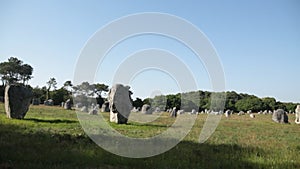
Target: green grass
[(50, 137)]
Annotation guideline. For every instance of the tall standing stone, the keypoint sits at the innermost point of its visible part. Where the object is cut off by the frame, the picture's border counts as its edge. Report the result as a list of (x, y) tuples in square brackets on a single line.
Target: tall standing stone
[(17, 101), (105, 107), (68, 105), (119, 103), (280, 116), (297, 114)]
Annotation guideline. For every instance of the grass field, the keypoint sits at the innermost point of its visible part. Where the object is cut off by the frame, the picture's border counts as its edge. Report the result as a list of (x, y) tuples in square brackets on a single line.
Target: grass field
[(50, 137)]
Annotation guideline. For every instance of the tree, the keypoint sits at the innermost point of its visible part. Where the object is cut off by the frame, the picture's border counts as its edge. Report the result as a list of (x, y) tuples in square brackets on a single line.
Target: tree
[(25, 73), (60, 95), (68, 87), (14, 71), (290, 107), (173, 101), (231, 98), (269, 103), (138, 103), (249, 103), (160, 102), (68, 84), (147, 101), (51, 84), (39, 93)]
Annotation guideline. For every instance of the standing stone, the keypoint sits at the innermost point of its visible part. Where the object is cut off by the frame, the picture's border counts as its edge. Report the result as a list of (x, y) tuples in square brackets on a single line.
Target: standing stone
[(174, 112), (105, 107), (297, 114), (146, 109), (68, 105), (49, 102), (227, 113), (252, 115), (84, 109), (17, 101), (241, 113), (157, 110), (193, 111), (270, 112), (78, 105), (94, 111), (280, 116), (179, 112), (36, 101), (119, 103)]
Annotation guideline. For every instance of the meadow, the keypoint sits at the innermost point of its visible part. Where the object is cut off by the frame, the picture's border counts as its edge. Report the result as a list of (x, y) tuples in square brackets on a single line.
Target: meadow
[(51, 137)]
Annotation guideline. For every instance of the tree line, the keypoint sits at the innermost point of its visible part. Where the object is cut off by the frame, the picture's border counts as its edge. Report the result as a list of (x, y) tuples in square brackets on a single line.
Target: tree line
[(201, 100)]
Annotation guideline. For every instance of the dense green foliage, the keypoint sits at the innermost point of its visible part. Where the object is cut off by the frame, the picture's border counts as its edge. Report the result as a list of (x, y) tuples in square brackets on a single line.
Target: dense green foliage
[(201, 100), (14, 71), (51, 137)]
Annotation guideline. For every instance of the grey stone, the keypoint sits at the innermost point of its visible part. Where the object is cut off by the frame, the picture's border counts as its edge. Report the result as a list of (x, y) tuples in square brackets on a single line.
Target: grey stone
[(280, 116), (78, 105), (94, 111), (49, 102), (105, 107), (157, 110), (193, 111), (120, 105), (17, 101), (227, 113), (146, 109), (36, 101), (173, 112), (84, 109), (92, 106), (68, 105), (252, 115), (297, 114), (241, 113), (179, 112), (135, 110)]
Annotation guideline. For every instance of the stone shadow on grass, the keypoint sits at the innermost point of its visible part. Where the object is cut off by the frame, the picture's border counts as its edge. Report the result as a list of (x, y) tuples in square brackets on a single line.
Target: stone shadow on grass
[(23, 148), (50, 120)]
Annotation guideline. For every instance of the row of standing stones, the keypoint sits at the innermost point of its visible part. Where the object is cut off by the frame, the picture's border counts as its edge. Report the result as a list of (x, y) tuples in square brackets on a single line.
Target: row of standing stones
[(18, 98)]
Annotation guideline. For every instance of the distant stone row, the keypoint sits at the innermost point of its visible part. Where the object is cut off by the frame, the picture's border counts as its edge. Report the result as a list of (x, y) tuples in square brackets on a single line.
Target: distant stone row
[(18, 98)]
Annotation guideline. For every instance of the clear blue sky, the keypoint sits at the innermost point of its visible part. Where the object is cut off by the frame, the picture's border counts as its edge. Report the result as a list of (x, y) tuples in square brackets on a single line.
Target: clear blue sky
[(258, 42)]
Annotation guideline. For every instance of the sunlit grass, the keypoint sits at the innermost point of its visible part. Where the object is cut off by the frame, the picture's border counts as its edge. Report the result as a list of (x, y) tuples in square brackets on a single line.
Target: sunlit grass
[(51, 137)]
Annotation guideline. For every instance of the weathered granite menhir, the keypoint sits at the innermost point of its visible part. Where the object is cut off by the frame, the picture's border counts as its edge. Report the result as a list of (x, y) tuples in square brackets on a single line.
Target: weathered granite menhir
[(120, 103), (280, 116), (17, 101)]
